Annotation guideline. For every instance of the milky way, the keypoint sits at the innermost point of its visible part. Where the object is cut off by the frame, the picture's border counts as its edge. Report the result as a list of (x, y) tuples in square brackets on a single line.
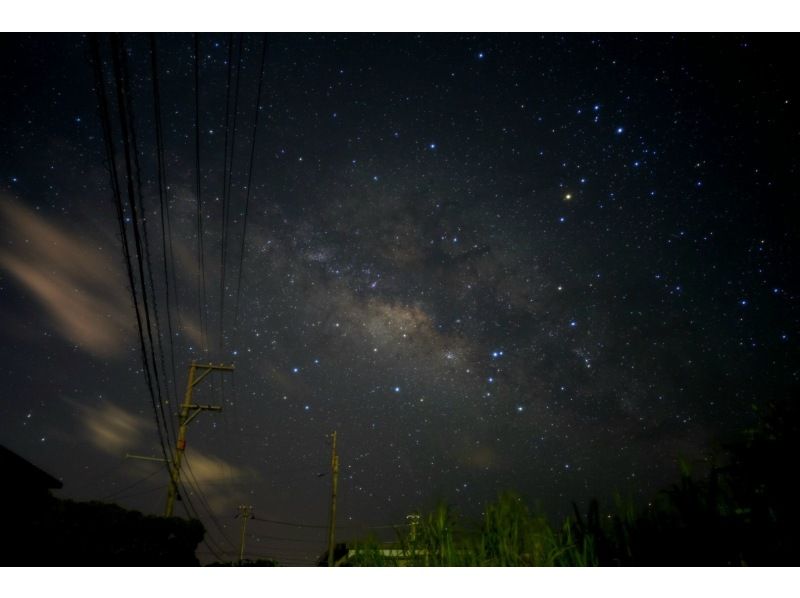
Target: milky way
[(548, 263)]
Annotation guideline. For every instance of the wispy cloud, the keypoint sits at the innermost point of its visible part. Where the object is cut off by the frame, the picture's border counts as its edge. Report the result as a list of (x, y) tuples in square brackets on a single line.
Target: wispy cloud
[(111, 428), (76, 281)]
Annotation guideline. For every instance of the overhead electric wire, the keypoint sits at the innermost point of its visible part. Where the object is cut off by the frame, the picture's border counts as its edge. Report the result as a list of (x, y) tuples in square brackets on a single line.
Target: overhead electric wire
[(228, 186), (249, 182), (166, 249), (282, 539), (202, 305), (127, 129), (289, 523), (148, 266), (191, 511), (226, 181), (311, 526), (204, 502), (138, 215), (161, 487), (120, 491), (227, 176), (105, 118)]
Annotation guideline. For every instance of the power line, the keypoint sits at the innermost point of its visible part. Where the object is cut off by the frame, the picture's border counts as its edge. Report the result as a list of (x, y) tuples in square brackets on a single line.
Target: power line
[(202, 306), (289, 523), (204, 502), (227, 174), (146, 244), (164, 209), (249, 181), (133, 485), (310, 526), (191, 511), (105, 119), (286, 549), (320, 542), (127, 127)]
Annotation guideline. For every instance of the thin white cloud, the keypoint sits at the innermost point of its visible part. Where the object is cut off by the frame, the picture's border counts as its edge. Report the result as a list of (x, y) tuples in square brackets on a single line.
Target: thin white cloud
[(77, 283)]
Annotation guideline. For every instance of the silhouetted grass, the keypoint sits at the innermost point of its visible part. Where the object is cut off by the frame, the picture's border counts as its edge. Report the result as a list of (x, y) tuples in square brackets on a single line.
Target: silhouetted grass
[(741, 513)]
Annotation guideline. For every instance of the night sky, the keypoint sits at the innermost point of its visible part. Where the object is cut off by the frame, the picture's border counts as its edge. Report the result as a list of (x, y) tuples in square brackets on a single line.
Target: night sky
[(546, 263)]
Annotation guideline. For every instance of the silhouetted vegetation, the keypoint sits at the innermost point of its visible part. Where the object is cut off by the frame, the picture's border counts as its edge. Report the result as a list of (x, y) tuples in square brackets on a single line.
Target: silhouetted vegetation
[(740, 513), (46, 531), (57, 532)]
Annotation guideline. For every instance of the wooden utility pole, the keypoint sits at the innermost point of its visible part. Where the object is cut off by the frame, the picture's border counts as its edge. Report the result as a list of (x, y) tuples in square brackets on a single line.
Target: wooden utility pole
[(245, 512), (334, 485), (188, 412)]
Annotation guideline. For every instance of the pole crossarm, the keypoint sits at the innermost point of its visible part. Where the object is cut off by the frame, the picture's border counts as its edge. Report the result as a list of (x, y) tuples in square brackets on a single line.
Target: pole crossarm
[(143, 458), (210, 367), (194, 411)]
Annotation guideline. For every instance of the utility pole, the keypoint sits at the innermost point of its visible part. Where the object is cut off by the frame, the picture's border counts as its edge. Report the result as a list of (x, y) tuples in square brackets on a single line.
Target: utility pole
[(413, 522), (334, 485), (245, 512), (188, 412)]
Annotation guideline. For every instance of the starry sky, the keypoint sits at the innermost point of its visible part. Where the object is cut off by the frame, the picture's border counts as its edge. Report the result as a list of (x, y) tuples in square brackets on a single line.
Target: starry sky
[(548, 263)]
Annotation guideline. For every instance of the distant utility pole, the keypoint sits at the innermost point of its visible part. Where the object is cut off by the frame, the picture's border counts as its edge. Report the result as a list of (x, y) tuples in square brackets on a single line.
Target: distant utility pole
[(413, 522), (245, 512), (188, 412), (334, 485)]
